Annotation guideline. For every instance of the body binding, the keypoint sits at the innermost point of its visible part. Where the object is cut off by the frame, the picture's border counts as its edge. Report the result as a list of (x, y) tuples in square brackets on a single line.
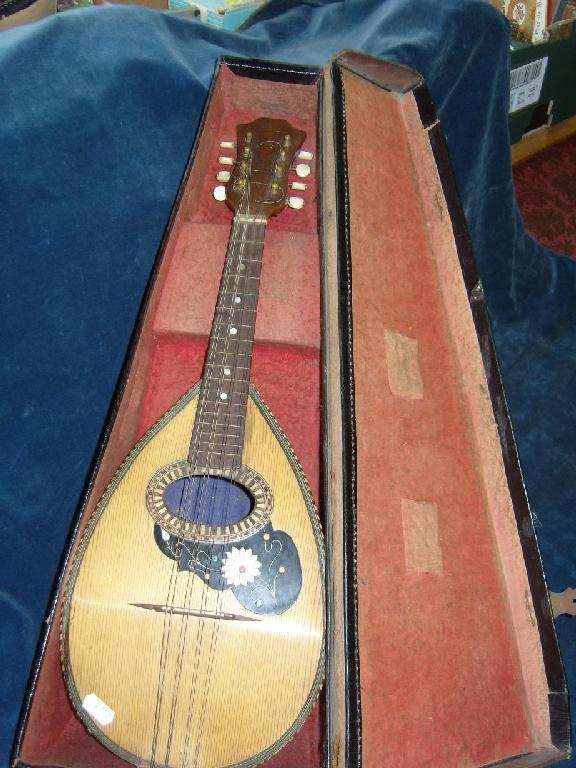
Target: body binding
[(188, 676)]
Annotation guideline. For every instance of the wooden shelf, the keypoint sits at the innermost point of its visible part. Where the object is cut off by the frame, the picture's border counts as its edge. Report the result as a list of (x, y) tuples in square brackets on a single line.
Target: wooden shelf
[(537, 140)]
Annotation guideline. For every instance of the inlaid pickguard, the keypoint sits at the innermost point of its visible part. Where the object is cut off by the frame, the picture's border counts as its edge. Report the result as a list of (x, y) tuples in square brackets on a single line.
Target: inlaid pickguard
[(272, 577)]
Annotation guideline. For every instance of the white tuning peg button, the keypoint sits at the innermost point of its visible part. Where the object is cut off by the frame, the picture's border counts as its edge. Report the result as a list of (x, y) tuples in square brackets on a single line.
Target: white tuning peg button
[(223, 176), (220, 193), (304, 155), (296, 203), (299, 186), (302, 170), (228, 144), (226, 161)]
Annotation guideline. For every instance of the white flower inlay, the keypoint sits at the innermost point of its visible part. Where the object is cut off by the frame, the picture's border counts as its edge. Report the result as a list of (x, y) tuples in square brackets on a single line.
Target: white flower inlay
[(240, 567)]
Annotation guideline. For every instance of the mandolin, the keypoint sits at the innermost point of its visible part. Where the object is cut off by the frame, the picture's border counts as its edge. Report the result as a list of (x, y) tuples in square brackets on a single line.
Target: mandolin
[(193, 616)]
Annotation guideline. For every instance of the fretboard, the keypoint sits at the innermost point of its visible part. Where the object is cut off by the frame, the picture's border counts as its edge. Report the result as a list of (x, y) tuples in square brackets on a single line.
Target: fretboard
[(218, 434)]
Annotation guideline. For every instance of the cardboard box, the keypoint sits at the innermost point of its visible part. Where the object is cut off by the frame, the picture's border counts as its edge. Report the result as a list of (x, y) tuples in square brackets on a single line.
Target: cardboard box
[(543, 81), (373, 351), (226, 14), (14, 14)]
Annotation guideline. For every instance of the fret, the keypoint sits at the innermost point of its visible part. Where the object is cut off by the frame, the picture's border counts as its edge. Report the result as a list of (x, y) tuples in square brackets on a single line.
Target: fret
[(243, 277), (237, 325), (243, 241), (210, 425), (223, 380), (207, 453), (239, 310), (208, 443), (245, 306), (232, 391), (241, 353), (232, 287), (239, 285), (234, 400), (233, 338), (245, 260), (230, 365), (228, 360), (218, 433), (229, 383), (228, 409), (221, 447), (217, 450)]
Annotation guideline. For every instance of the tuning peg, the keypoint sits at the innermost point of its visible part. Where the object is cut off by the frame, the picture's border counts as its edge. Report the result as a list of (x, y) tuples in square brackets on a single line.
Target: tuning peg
[(226, 161), (223, 176), (228, 144), (219, 193), (296, 203), (302, 170), (304, 154), (299, 186)]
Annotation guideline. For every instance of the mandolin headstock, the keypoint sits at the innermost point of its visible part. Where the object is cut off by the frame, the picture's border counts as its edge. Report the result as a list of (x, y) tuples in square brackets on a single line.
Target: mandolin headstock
[(258, 183)]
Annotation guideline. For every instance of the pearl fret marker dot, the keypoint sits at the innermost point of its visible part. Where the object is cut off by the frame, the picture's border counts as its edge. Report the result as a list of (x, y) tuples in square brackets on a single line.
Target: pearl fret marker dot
[(233, 331)]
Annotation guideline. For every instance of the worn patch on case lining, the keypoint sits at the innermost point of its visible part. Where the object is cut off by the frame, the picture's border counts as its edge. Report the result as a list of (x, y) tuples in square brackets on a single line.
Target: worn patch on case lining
[(422, 550), (404, 376)]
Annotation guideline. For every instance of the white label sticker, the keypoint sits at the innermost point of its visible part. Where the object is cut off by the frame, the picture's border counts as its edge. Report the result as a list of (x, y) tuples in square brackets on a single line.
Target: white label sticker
[(526, 84), (97, 709)]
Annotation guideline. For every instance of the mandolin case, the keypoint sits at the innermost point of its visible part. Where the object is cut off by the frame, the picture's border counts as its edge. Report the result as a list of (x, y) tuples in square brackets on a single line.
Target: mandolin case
[(373, 353)]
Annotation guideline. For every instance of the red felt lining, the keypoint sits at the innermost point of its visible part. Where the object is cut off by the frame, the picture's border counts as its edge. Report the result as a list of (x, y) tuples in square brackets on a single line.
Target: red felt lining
[(441, 675)]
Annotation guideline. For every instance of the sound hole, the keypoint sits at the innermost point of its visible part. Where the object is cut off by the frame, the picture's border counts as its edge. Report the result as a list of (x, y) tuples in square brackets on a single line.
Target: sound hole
[(208, 500)]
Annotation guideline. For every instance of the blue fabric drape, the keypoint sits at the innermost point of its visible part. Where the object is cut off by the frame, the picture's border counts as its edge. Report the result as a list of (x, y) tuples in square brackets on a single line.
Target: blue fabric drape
[(99, 108)]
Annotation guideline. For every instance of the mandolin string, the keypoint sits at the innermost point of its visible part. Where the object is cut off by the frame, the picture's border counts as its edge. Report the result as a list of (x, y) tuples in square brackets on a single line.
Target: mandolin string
[(241, 226), (254, 246), (167, 624), (242, 241), (200, 501), (215, 424), (257, 231), (198, 504), (238, 257), (166, 630), (249, 246)]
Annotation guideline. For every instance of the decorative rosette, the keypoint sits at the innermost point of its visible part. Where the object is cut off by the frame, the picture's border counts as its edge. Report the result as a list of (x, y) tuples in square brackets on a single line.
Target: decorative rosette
[(240, 567)]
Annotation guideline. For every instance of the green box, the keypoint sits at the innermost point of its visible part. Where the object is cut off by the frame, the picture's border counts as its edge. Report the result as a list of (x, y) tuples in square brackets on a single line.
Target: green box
[(543, 78), (226, 14)]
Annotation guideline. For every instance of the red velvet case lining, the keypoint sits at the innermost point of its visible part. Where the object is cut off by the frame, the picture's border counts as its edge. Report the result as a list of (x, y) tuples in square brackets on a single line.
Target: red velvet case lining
[(169, 359), (450, 662)]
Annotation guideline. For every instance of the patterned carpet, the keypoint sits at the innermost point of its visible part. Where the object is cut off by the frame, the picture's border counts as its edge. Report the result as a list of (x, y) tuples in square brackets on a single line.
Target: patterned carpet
[(546, 192)]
